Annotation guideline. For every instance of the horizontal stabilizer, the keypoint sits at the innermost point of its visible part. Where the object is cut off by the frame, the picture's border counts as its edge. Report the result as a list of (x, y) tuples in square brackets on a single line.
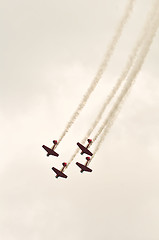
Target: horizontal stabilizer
[(59, 173), (84, 149), (50, 151), (83, 167)]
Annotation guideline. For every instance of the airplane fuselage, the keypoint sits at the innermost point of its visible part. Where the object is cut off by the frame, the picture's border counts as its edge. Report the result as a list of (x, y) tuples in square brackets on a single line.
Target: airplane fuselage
[(83, 167), (59, 173), (50, 151), (84, 149)]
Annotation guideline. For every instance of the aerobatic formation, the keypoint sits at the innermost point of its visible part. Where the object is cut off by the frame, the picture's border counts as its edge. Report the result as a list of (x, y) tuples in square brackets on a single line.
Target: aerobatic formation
[(123, 86)]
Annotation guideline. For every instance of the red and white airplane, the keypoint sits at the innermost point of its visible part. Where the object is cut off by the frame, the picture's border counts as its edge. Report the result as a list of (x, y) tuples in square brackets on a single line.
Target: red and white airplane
[(84, 167), (59, 173), (50, 151), (85, 149)]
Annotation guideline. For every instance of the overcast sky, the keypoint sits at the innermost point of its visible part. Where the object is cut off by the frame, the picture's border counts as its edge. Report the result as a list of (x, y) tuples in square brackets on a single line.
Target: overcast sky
[(50, 52)]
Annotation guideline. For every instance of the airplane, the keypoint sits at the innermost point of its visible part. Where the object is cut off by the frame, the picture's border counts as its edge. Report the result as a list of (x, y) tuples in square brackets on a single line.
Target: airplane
[(50, 151), (85, 149), (59, 173), (84, 167)]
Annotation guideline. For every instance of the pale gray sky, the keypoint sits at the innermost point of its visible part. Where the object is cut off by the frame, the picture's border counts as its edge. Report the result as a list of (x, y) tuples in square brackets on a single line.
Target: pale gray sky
[(50, 52)]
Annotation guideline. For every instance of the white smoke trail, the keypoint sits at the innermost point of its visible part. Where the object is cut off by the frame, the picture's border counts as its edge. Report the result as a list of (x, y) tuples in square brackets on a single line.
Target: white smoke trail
[(139, 62), (102, 67), (124, 74), (73, 156)]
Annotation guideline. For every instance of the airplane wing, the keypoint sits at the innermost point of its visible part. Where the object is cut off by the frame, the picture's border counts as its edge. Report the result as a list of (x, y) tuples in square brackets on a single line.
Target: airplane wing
[(84, 149), (50, 151), (59, 173), (83, 167)]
